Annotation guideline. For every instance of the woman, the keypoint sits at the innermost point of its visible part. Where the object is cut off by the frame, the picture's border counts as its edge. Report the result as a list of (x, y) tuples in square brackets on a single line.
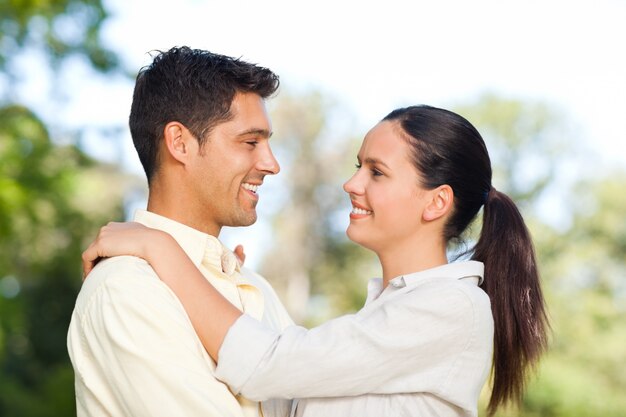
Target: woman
[(430, 331)]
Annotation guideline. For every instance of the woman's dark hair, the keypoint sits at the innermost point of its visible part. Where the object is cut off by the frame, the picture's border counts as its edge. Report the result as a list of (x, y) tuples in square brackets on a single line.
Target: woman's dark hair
[(447, 149), (193, 87)]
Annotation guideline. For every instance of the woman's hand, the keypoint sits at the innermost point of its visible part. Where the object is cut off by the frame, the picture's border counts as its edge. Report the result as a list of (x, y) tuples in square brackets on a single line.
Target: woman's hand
[(116, 239), (211, 314)]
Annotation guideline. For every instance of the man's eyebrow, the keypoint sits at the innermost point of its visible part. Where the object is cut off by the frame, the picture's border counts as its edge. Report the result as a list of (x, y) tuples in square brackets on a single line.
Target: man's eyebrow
[(260, 132), (375, 161)]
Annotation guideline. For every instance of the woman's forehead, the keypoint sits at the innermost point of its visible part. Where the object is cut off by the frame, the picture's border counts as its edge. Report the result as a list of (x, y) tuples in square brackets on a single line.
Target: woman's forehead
[(383, 141)]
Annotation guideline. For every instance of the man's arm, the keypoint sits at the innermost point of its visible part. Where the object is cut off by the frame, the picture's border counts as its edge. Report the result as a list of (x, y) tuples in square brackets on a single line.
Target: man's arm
[(135, 351)]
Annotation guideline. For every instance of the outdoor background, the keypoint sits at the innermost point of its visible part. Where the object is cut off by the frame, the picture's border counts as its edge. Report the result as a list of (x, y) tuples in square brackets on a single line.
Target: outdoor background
[(544, 81)]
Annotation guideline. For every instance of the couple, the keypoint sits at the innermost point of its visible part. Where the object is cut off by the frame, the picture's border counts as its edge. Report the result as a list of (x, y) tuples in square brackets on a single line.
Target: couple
[(180, 328)]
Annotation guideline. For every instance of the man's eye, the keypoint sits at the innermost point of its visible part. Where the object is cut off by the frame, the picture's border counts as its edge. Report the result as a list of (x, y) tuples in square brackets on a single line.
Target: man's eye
[(376, 173), (252, 142), (358, 166)]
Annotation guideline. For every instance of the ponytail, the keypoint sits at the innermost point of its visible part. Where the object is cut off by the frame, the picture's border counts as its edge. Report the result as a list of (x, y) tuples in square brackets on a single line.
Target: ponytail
[(447, 149), (512, 283)]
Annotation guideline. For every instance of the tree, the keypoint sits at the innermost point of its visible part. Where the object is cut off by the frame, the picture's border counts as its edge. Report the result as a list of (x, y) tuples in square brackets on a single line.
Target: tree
[(582, 261), (526, 140), (310, 257), (58, 28), (52, 198), (584, 268)]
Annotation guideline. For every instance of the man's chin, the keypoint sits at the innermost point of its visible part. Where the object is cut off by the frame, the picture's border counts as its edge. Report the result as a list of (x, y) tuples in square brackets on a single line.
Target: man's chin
[(246, 220)]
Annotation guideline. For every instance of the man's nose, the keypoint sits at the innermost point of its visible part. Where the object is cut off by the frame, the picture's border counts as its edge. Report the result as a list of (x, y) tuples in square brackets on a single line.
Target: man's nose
[(268, 162)]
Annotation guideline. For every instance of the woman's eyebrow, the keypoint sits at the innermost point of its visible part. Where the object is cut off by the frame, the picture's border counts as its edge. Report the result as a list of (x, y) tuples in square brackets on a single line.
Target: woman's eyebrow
[(375, 161)]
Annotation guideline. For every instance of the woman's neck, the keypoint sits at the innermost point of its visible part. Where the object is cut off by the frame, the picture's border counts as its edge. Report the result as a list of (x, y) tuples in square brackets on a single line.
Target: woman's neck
[(406, 259)]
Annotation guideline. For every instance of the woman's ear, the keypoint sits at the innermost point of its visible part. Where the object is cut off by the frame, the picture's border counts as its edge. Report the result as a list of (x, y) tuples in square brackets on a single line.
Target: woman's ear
[(177, 141), (440, 204)]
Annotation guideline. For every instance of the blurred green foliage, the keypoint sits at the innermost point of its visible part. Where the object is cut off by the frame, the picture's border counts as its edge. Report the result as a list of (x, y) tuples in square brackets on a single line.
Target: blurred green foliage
[(60, 28), (48, 196), (584, 268), (52, 198)]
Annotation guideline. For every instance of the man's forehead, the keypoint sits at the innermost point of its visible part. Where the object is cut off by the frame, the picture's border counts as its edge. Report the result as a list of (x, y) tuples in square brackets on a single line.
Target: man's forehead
[(248, 116)]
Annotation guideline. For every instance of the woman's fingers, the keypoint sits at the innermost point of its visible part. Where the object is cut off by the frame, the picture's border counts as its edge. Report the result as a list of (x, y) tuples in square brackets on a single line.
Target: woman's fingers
[(90, 259), (92, 255), (114, 239)]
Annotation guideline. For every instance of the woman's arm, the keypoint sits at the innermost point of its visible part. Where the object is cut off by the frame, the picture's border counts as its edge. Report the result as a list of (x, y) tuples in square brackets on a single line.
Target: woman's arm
[(406, 345), (210, 313), (415, 341)]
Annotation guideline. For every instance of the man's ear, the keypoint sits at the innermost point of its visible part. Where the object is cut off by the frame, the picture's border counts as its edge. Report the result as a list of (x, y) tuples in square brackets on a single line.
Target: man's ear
[(179, 142), (440, 204)]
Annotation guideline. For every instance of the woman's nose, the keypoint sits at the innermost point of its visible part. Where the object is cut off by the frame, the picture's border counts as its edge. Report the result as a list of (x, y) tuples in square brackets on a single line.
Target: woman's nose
[(353, 185)]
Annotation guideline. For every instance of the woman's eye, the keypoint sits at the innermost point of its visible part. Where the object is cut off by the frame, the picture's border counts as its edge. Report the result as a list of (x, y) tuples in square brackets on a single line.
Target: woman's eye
[(252, 142), (357, 166), (376, 173)]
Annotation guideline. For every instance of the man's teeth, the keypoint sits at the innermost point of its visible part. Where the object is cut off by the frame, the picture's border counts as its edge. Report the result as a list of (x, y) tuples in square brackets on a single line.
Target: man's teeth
[(250, 187), (357, 210)]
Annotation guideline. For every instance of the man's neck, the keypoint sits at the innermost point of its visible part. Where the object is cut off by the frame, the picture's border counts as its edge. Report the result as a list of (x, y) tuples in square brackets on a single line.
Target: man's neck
[(174, 209)]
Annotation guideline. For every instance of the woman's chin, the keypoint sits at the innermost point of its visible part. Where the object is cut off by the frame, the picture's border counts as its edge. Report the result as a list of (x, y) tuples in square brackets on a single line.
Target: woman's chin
[(358, 238)]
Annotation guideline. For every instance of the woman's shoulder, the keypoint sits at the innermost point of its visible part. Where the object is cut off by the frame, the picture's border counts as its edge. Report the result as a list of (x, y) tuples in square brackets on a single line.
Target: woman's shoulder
[(447, 295), (466, 288), (459, 280)]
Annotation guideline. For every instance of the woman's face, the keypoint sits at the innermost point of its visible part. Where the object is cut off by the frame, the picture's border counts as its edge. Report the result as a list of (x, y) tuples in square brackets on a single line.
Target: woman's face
[(387, 200)]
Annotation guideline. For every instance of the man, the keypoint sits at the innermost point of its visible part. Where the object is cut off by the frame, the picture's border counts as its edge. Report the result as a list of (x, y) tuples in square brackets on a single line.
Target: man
[(200, 127)]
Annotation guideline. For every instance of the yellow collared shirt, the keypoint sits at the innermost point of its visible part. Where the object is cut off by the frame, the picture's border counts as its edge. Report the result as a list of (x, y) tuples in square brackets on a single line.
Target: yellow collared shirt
[(134, 349)]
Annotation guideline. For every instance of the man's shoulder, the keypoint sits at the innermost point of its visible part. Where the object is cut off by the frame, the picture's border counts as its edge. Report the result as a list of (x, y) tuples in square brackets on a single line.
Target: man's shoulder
[(118, 266), (127, 272)]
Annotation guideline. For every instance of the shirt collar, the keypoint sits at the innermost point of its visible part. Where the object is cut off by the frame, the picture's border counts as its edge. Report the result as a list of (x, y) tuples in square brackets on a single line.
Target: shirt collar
[(199, 246), (458, 270)]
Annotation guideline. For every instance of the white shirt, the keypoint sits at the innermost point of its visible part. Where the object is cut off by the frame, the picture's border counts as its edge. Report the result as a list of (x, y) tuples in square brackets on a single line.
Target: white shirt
[(421, 347), (134, 349)]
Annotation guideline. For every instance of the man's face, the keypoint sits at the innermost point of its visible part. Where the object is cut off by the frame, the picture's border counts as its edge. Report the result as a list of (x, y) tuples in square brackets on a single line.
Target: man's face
[(228, 170)]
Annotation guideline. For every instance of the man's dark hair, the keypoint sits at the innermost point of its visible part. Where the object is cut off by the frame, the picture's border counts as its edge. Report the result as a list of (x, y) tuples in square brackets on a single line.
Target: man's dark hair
[(193, 87)]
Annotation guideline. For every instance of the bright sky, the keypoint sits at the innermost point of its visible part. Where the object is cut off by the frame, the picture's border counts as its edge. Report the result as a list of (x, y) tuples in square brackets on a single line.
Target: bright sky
[(375, 56)]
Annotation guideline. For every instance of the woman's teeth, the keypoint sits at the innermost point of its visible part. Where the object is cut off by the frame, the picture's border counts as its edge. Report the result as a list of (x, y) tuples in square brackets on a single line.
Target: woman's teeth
[(357, 210), (250, 187)]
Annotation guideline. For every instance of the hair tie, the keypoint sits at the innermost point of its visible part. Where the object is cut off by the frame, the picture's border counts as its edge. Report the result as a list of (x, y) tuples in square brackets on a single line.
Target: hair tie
[(487, 194)]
